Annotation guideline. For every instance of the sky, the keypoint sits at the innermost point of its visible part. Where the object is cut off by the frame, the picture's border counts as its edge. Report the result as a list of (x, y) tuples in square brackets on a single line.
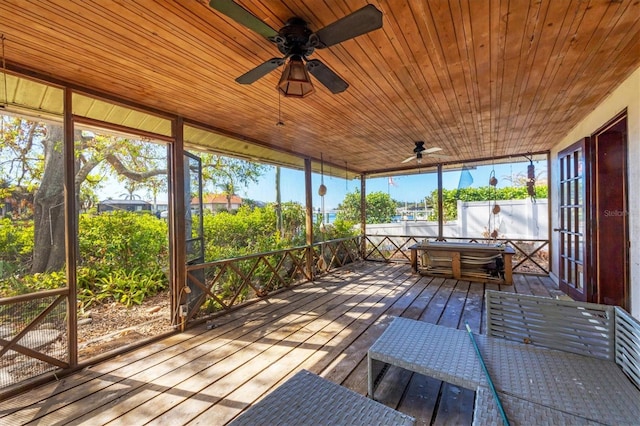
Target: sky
[(406, 188), (411, 189), (403, 188)]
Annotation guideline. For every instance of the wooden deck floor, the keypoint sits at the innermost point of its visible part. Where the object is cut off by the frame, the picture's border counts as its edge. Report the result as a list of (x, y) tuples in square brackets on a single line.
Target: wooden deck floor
[(210, 374)]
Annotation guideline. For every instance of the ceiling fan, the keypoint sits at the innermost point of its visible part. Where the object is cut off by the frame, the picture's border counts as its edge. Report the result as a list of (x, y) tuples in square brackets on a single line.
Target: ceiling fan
[(420, 151), (297, 42)]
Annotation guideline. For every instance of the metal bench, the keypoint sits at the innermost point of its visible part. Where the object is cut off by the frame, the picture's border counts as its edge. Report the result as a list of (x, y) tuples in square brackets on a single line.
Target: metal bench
[(308, 399), (551, 357)]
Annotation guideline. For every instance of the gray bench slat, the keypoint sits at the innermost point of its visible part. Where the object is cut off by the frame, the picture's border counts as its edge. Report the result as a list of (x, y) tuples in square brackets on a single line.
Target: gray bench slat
[(583, 328), (628, 345)]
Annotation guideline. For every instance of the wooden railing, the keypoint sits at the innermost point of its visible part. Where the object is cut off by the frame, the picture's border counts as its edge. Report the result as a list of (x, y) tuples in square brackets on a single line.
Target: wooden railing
[(223, 285), (531, 255), (33, 335), (34, 329)]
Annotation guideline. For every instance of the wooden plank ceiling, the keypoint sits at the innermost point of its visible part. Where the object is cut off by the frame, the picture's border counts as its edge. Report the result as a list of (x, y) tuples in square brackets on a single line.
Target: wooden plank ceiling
[(478, 79)]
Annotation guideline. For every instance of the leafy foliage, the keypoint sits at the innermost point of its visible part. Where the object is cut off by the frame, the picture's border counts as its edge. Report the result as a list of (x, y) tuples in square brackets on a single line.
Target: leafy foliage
[(340, 228), (15, 285), (380, 207), (251, 230), (122, 256), (121, 240), (450, 197), (129, 287), (227, 175), (16, 243)]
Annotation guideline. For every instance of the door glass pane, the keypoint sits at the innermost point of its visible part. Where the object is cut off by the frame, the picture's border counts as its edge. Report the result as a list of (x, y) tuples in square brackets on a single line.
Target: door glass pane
[(580, 189), (572, 276), (571, 221), (570, 193), (580, 280)]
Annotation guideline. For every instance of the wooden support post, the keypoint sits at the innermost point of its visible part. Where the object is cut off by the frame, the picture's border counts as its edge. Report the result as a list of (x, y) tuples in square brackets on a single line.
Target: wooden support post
[(363, 216), (455, 264), (177, 228), (508, 265), (71, 228), (440, 208), (309, 216)]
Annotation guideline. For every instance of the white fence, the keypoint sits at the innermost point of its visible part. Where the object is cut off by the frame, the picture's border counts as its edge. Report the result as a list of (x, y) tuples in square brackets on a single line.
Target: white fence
[(518, 219)]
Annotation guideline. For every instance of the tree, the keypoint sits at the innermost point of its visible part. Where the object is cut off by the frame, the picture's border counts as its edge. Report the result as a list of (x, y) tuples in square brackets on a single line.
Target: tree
[(32, 156), (229, 174), (380, 207), (228, 190), (48, 202), (32, 172)]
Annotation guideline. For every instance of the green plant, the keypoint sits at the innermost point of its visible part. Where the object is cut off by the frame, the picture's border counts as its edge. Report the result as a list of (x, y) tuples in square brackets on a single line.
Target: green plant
[(16, 245), (130, 287), (123, 240), (380, 207), (30, 283), (339, 228), (450, 197)]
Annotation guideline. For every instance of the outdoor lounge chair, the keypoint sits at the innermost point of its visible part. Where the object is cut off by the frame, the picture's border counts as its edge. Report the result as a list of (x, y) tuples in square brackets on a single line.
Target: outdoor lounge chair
[(552, 361)]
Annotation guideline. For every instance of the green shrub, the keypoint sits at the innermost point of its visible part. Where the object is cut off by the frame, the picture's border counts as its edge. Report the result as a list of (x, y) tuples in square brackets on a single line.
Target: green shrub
[(339, 228), (123, 256), (123, 240), (247, 231), (29, 283), (450, 197), (16, 245)]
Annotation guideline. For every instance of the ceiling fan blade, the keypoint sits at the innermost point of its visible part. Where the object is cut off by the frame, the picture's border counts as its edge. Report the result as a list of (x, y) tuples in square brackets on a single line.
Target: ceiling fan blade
[(438, 155), (260, 71), (326, 76), (357, 23), (413, 157), (243, 17), (432, 149)]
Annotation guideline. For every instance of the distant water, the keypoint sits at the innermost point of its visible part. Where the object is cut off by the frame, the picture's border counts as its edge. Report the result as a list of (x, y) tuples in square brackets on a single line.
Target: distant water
[(331, 217)]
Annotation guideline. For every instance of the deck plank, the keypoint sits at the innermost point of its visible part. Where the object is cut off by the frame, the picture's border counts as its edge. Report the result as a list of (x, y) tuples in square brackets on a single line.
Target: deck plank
[(264, 346), (211, 373), (340, 321)]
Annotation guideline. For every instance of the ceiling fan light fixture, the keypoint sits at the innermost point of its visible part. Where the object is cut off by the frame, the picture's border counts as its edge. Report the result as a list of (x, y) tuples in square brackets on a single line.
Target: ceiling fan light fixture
[(295, 81), (419, 157)]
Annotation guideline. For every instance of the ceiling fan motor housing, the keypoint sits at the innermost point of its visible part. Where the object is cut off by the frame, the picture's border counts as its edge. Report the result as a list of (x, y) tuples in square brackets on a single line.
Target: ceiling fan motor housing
[(295, 38)]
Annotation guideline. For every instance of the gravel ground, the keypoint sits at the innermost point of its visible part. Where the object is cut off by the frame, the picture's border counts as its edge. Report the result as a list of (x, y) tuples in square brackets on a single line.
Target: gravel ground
[(111, 325)]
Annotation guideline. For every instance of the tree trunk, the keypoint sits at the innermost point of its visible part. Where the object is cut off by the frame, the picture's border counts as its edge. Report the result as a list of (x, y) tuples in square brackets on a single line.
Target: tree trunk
[(49, 244)]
